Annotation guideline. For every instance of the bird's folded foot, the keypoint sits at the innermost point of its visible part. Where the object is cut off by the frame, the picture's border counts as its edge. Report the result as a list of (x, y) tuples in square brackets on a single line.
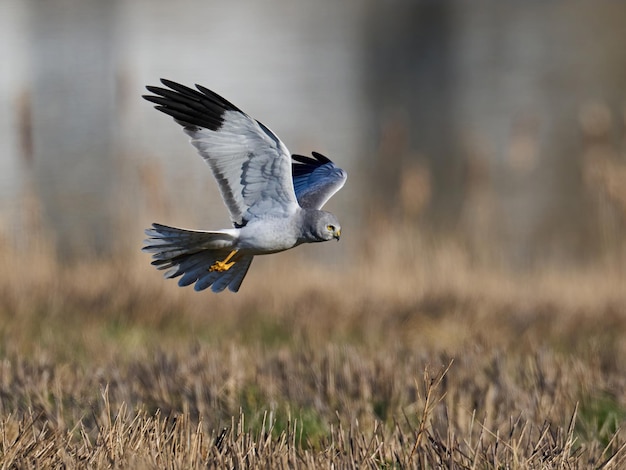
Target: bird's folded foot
[(221, 266)]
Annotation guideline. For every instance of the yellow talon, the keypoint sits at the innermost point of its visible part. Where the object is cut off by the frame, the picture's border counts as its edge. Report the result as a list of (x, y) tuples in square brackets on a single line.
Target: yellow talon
[(222, 266)]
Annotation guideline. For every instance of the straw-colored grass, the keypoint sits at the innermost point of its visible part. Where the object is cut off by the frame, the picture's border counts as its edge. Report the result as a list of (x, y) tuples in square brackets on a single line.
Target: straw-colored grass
[(405, 356)]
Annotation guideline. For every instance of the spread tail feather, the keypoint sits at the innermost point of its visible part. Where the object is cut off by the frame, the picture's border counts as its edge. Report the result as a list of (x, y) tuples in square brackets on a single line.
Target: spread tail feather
[(191, 253)]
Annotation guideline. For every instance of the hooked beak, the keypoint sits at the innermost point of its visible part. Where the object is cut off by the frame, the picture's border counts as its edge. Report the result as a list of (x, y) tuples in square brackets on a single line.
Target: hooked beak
[(338, 234)]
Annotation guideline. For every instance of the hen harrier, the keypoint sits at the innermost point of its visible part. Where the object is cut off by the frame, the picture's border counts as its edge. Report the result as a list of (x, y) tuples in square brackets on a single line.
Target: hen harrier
[(274, 198)]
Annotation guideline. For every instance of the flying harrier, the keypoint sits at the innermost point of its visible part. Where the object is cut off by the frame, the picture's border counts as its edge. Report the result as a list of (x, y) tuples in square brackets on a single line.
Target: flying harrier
[(274, 198)]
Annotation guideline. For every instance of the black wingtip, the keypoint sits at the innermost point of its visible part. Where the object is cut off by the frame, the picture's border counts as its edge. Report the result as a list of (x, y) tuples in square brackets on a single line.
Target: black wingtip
[(153, 89), (321, 158), (188, 107), (176, 86), (153, 99), (201, 107), (317, 160)]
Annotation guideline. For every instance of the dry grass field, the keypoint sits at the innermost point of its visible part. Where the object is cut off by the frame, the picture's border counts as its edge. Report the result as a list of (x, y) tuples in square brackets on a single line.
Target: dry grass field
[(410, 357), (473, 315)]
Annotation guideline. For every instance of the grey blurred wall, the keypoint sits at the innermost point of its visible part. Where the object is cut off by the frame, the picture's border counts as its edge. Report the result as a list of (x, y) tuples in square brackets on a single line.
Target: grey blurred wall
[(452, 116)]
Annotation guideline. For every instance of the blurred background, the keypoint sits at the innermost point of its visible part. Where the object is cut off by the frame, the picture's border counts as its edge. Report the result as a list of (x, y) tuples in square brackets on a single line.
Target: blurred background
[(483, 226), (499, 125)]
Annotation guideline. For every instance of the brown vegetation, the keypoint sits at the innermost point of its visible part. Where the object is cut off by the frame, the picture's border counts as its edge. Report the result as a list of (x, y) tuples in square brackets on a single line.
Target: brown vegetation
[(395, 350), (409, 357)]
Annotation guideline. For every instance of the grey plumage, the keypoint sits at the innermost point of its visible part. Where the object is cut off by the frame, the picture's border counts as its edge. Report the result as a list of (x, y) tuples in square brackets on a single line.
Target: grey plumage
[(271, 208)]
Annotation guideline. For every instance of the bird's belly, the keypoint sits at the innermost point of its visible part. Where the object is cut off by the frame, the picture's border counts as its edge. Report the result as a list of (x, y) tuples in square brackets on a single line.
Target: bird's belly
[(270, 236)]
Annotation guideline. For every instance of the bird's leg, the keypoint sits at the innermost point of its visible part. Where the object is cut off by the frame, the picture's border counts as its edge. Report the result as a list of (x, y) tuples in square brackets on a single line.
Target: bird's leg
[(222, 266)]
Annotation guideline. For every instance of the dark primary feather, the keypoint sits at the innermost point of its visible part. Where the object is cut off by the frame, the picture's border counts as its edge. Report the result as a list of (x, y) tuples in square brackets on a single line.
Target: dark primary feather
[(202, 107), (315, 179), (310, 163)]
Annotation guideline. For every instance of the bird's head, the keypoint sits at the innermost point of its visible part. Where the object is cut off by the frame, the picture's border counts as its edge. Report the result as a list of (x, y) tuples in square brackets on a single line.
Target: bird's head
[(325, 226)]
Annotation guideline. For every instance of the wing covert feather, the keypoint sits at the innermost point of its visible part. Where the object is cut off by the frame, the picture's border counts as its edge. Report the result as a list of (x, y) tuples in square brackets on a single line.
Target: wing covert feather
[(316, 179)]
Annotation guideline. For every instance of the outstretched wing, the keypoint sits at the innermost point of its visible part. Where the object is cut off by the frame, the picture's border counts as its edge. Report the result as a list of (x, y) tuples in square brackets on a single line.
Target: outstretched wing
[(251, 165), (316, 179)]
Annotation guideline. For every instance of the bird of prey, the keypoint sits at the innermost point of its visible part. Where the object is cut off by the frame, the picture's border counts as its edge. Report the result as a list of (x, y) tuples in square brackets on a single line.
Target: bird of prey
[(274, 198)]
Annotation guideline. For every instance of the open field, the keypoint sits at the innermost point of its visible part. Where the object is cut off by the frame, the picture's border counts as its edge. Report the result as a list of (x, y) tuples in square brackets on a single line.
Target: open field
[(473, 315), (411, 357)]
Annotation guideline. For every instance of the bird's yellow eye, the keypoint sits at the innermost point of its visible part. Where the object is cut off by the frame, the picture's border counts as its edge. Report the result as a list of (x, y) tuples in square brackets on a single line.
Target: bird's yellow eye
[(330, 228)]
